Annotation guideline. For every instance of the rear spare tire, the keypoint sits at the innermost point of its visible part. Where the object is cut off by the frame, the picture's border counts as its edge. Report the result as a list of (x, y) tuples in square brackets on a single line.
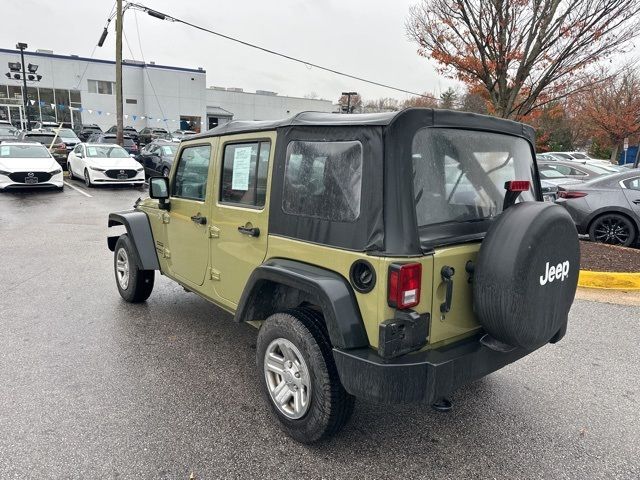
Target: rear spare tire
[(526, 274)]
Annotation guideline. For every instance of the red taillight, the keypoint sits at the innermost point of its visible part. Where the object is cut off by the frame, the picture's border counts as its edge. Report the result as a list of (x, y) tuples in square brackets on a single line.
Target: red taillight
[(60, 146), (517, 186), (571, 194), (404, 285)]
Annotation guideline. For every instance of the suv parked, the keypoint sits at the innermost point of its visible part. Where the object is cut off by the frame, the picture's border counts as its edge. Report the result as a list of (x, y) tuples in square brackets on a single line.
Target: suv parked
[(128, 131), (392, 257), (149, 134), (49, 139), (85, 131), (128, 144)]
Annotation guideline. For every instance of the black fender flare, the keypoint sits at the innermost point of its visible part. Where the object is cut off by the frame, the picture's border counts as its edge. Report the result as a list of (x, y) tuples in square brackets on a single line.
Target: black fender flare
[(329, 289), (139, 230)]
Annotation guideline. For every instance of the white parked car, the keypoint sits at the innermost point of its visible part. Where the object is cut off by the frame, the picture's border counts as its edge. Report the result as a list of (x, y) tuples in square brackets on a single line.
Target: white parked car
[(28, 165), (103, 163)]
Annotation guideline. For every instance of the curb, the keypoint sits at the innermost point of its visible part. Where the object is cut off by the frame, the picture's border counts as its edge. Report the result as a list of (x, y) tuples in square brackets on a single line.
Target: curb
[(609, 280)]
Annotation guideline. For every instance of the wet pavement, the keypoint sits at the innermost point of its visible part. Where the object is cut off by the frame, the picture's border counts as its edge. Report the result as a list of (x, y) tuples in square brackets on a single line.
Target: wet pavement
[(93, 387)]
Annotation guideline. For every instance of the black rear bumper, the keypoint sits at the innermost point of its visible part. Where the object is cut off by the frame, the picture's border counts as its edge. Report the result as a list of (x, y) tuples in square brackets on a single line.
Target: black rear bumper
[(420, 377)]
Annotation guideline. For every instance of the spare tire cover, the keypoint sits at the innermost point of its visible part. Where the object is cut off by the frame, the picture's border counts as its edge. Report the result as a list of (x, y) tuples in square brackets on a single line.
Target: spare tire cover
[(526, 274)]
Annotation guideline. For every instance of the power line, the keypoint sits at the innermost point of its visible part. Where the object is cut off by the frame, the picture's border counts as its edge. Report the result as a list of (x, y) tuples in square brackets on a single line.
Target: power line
[(86, 67), (164, 119), (164, 16)]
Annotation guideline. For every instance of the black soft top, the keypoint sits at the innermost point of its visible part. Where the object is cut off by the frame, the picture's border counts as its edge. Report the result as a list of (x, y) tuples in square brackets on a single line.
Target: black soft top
[(433, 117)]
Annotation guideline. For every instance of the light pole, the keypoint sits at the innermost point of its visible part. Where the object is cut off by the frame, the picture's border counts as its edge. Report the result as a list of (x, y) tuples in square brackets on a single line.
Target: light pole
[(22, 46), (349, 95)]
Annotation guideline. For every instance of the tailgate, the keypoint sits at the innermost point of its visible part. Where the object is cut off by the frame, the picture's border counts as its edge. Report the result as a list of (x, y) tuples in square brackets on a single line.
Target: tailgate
[(459, 320)]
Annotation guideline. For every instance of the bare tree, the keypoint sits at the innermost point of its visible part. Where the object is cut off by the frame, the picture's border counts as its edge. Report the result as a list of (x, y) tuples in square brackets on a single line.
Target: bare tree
[(386, 104), (612, 110), (524, 53)]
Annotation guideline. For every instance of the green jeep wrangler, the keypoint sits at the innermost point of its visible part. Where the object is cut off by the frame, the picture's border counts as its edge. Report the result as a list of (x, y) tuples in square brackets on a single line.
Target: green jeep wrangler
[(393, 257)]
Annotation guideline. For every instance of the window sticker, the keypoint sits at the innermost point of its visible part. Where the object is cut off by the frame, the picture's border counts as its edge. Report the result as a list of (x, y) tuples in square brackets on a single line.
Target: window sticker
[(241, 168), (92, 151), (4, 151)]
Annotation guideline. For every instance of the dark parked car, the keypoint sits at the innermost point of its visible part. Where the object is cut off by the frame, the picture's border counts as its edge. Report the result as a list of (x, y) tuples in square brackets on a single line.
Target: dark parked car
[(607, 208), (148, 135), (129, 145), (128, 131), (85, 131), (50, 140), (157, 157), (576, 169)]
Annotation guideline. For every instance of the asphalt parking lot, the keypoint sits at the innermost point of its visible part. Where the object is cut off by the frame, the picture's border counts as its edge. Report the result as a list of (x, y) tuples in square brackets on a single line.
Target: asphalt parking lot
[(92, 387)]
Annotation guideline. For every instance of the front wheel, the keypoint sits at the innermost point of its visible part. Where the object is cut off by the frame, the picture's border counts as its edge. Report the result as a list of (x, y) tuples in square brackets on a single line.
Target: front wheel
[(135, 285), (299, 378), (613, 229), (87, 179)]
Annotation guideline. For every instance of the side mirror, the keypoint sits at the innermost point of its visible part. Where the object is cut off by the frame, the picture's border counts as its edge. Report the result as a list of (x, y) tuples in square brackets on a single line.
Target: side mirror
[(159, 189)]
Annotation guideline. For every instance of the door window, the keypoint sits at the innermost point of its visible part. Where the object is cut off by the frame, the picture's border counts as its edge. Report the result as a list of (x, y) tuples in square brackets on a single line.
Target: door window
[(633, 183), (244, 174), (191, 176)]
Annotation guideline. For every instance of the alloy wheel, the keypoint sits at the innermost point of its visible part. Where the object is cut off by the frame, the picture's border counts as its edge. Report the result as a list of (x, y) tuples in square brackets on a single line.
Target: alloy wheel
[(288, 379), (122, 268), (613, 230)]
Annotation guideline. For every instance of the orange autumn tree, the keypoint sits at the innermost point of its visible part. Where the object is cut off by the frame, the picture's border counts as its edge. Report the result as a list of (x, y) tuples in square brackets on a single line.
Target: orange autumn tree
[(523, 53), (612, 110)]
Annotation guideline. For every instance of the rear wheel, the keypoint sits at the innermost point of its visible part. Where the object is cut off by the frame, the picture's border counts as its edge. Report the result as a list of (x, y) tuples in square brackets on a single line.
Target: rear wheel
[(613, 229), (135, 285), (70, 170), (299, 378)]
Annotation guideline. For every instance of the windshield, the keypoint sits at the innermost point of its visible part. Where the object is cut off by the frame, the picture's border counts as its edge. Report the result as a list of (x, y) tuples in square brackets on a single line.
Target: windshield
[(66, 133), (106, 152), (44, 139), (548, 172), (23, 151), (168, 150), (127, 141), (601, 169), (459, 175), (7, 130)]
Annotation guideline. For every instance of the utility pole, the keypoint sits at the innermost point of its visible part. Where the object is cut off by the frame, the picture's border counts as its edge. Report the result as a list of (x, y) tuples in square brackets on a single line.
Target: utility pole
[(119, 112), (21, 46)]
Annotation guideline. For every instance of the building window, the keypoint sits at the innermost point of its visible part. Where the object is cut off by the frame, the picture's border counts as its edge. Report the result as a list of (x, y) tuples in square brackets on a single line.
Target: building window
[(101, 86), (132, 101)]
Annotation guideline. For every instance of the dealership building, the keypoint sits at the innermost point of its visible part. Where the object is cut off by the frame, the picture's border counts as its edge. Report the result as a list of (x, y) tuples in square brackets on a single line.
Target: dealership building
[(75, 90)]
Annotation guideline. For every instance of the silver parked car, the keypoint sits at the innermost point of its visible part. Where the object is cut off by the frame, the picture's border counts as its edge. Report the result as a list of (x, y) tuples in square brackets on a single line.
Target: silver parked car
[(579, 170), (607, 208)]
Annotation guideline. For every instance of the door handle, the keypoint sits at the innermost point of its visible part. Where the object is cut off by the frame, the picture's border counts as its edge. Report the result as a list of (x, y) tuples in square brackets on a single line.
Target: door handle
[(252, 232), (447, 274), (637, 202), (200, 220)]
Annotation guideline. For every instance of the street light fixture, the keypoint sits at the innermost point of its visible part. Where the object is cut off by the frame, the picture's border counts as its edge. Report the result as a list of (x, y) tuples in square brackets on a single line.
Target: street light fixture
[(349, 95)]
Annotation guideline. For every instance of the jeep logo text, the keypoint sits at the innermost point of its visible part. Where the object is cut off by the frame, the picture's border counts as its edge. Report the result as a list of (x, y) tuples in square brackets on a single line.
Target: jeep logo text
[(559, 272)]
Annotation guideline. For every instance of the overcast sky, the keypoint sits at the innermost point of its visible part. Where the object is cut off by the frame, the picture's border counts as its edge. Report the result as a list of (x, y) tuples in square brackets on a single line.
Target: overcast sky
[(361, 37)]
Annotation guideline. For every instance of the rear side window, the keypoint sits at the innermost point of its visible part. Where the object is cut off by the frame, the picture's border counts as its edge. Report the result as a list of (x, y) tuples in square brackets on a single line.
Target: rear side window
[(459, 175), (190, 180), (323, 180), (244, 174)]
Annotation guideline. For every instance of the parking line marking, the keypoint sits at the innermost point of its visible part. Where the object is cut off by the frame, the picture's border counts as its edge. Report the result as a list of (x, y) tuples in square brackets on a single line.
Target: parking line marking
[(78, 190)]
